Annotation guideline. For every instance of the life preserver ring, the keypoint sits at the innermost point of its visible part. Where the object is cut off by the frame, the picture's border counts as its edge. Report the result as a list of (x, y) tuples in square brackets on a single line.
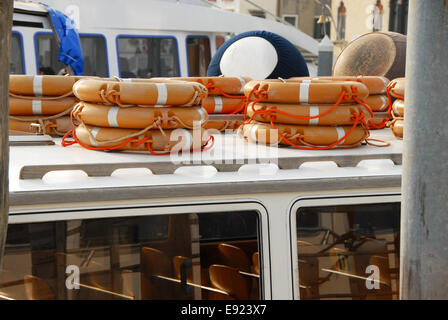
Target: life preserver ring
[(377, 102), (223, 125), (220, 104), (398, 88), (304, 135), (42, 85), (306, 114), (375, 84), (397, 126), (140, 93), (53, 127), (398, 108), (217, 85), (24, 107), (139, 117), (306, 92), (130, 139)]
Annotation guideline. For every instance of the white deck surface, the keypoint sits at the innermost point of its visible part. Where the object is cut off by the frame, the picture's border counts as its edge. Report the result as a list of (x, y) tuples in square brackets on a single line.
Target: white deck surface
[(226, 149)]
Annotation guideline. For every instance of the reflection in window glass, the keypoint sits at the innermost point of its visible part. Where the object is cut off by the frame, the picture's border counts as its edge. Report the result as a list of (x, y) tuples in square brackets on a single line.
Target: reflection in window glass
[(219, 41), (16, 55), (185, 256), (95, 58), (47, 55), (349, 252), (198, 56), (148, 57)]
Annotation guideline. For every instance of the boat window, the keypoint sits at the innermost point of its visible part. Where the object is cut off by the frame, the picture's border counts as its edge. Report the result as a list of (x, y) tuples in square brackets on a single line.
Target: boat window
[(16, 54), (198, 55), (348, 251), (146, 57), (95, 55), (219, 41), (177, 256), (47, 51)]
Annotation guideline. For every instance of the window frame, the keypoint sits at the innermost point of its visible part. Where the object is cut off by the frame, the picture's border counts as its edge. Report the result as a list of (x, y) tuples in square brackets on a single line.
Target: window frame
[(123, 35), (295, 16), (169, 209), (99, 35), (22, 49), (321, 202), (199, 36), (36, 53)]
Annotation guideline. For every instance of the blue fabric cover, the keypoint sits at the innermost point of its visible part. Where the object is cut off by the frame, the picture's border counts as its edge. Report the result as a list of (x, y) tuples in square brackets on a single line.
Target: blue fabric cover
[(70, 51), (290, 61)]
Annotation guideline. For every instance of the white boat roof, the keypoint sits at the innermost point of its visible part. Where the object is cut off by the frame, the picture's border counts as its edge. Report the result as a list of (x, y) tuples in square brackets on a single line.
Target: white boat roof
[(223, 164)]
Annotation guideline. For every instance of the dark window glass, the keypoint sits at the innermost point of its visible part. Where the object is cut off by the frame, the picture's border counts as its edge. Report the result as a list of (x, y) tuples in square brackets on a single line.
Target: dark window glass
[(148, 57), (184, 256), (16, 55), (198, 56), (95, 57), (349, 252), (47, 55)]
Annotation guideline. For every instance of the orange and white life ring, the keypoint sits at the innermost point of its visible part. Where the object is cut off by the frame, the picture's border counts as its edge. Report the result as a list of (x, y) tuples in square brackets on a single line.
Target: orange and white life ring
[(303, 135), (54, 127), (221, 104), (306, 92), (375, 84), (217, 85), (139, 117), (131, 139), (397, 126), (398, 108), (377, 102), (398, 88), (42, 85), (140, 93), (306, 114), (24, 107)]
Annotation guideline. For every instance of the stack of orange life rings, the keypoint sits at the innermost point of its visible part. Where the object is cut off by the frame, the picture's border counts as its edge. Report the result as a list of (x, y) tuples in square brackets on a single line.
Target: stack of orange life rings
[(41, 103), (225, 96), (139, 115), (307, 114), (397, 89)]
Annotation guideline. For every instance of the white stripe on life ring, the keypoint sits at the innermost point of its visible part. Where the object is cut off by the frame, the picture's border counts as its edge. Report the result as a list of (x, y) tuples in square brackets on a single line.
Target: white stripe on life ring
[(307, 81), (383, 98), (304, 92), (112, 117), (218, 104), (94, 133), (341, 134), (314, 111), (243, 83), (37, 107), (385, 83), (162, 93), (37, 86)]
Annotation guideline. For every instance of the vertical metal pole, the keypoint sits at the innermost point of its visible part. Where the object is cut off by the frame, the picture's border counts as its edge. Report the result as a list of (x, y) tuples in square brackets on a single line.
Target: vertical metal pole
[(6, 8), (325, 58), (424, 220)]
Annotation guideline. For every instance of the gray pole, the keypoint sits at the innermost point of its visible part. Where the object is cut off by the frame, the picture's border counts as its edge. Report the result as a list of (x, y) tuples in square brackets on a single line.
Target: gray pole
[(6, 9), (325, 61), (424, 219)]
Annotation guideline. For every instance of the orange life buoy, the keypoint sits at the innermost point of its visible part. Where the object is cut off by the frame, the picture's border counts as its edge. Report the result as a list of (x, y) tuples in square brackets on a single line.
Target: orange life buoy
[(375, 84), (223, 125), (24, 107), (397, 127), (54, 127), (42, 85), (228, 85), (306, 114), (221, 104), (377, 102), (130, 139), (306, 92), (139, 117), (398, 87), (398, 108), (303, 135), (140, 93)]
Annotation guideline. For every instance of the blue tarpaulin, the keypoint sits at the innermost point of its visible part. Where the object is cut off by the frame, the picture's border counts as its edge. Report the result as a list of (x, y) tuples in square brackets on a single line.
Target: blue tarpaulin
[(70, 51)]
